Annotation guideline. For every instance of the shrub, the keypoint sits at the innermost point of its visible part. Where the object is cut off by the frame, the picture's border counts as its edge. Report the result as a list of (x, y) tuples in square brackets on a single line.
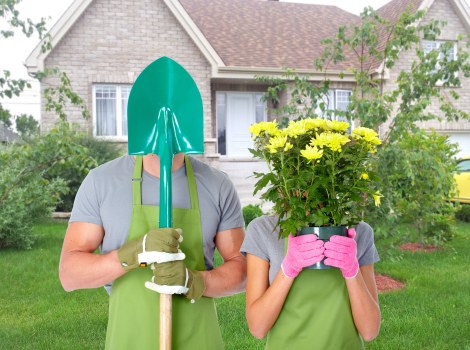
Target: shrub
[(463, 214), (251, 212), (99, 152), (27, 195)]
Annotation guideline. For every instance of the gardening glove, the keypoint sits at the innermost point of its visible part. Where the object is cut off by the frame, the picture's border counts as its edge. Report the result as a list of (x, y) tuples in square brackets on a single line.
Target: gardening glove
[(341, 252), (175, 278), (157, 245), (302, 251)]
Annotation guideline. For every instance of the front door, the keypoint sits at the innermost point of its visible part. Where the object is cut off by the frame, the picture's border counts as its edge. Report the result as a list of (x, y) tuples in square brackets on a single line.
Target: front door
[(240, 115)]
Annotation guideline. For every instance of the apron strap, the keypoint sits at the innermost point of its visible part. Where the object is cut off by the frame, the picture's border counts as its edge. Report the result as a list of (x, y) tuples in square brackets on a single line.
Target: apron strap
[(191, 183), (137, 183)]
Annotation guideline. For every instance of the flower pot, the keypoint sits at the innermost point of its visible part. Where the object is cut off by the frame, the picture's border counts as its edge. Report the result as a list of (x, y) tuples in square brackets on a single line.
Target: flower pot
[(324, 233)]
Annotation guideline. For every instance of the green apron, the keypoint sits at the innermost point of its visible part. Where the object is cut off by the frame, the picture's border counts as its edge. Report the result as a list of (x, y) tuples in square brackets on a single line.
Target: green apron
[(134, 310), (316, 315)]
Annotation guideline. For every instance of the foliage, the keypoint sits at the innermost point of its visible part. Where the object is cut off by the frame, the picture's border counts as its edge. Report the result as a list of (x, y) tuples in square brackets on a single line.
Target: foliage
[(318, 174), (98, 152), (27, 193), (419, 170), (251, 212), (463, 213), (372, 49), (56, 96)]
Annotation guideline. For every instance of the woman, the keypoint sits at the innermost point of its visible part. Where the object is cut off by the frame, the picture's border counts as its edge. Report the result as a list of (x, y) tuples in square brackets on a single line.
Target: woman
[(311, 309)]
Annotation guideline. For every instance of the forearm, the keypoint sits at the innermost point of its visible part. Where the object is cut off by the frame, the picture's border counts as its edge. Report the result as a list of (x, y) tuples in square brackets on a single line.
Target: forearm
[(365, 308), (226, 279), (262, 313), (80, 270)]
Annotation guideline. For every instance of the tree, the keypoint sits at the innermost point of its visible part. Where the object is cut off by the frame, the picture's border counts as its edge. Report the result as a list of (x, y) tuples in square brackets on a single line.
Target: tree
[(429, 80)]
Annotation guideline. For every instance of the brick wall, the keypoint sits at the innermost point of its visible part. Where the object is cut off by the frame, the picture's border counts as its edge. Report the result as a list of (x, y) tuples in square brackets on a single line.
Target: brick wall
[(442, 10), (113, 41)]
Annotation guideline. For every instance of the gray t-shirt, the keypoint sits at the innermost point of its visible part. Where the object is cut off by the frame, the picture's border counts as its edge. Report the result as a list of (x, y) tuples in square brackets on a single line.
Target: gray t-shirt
[(262, 240), (105, 199)]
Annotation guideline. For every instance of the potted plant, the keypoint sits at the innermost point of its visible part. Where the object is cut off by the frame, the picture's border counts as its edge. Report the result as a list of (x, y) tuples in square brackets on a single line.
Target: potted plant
[(319, 175)]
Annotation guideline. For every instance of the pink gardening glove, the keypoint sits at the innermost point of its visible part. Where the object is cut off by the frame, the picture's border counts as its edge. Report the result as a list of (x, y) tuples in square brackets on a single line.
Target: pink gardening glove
[(341, 253), (302, 251)]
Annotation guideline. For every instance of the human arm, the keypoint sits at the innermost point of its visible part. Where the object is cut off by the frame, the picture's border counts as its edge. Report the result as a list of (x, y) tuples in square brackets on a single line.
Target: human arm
[(364, 301), (79, 266), (230, 277)]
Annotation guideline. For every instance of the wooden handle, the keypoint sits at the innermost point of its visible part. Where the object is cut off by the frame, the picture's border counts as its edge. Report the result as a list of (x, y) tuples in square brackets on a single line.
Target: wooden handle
[(165, 321)]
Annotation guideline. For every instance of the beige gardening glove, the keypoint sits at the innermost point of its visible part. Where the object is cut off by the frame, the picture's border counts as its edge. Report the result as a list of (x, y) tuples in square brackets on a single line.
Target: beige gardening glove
[(156, 246), (175, 278)]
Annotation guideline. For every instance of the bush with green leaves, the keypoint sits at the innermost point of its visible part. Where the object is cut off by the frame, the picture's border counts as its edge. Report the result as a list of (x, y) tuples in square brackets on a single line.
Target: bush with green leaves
[(27, 195), (98, 151), (251, 212), (416, 174), (463, 213)]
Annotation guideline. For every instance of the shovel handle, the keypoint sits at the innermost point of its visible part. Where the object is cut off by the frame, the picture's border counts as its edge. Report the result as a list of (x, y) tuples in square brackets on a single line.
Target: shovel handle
[(165, 321)]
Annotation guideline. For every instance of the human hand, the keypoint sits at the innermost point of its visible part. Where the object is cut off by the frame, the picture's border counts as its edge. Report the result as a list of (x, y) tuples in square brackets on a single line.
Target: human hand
[(302, 251), (175, 278), (157, 245), (341, 252)]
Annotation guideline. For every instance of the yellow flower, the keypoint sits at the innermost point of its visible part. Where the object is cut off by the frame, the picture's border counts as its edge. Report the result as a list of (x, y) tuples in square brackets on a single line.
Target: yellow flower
[(332, 140), (310, 123), (364, 176), (288, 146), (269, 128), (377, 195), (295, 129), (276, 142), (311, 153), (337, 126), (367, 135)]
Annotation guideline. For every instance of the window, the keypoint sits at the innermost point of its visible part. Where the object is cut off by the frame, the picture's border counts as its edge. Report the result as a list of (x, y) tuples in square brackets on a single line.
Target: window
[(336, 100), (450, 50), (110, 110), (463, 165)]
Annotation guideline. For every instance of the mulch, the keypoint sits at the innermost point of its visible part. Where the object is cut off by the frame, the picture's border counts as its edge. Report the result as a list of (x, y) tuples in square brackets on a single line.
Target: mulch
[(418, 247), (386, 283)]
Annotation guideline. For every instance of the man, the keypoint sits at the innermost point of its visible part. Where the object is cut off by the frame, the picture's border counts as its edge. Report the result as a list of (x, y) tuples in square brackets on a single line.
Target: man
[(116, 209)]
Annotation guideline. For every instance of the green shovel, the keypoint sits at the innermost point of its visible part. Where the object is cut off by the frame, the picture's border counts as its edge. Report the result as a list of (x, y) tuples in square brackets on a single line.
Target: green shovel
[(165, 117)]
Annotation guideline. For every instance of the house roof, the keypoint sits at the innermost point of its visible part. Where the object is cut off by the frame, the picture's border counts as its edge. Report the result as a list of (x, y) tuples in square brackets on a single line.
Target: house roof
[(253, 33), (249, 37)]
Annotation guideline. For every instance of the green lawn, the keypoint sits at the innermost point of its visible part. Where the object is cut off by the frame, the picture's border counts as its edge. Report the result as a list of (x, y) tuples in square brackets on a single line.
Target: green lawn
[(431, 313)]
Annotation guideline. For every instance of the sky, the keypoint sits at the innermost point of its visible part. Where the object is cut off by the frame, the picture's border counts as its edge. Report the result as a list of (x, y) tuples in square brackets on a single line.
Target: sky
[(13, 51)]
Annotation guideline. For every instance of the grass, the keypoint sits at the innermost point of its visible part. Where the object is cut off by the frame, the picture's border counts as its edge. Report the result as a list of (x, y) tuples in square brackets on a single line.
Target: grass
[(430, 313)]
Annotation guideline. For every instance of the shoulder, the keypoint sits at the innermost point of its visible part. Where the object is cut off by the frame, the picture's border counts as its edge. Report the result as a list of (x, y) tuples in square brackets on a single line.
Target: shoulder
[(122, 163), (264, 227), (364, 232), (207, 173)]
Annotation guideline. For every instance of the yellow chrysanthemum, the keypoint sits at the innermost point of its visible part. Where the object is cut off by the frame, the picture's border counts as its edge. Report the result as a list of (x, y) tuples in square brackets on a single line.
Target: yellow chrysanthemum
[(367, 135), (311, 153), (334, 125), (294, 129), (377, 195), (317, 123), (364, 176), (276, 142), (269, 128), (332, 140), (288, 146)]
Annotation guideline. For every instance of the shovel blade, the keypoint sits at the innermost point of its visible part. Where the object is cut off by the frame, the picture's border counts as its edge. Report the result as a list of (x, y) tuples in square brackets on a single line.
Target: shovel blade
[(165, 88)]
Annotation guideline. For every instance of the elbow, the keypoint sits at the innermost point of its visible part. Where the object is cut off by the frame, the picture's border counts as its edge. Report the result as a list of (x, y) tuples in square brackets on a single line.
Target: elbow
[(371, 333), (257, 332), (65, 280)]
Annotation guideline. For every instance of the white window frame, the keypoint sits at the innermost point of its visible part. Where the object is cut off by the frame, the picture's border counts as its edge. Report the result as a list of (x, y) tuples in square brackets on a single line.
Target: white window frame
[(119, 115), (436, 44)]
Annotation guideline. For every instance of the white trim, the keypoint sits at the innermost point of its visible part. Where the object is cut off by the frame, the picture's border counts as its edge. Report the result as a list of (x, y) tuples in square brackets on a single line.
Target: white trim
[(196, 35)]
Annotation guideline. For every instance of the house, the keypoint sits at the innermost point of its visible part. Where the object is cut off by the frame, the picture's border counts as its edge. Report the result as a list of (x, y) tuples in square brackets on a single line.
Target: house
[(224, 44), (7, 135)]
